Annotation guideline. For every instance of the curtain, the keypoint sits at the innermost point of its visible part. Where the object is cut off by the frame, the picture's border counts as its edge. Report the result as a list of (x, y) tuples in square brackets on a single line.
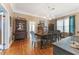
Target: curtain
[(72, 25)]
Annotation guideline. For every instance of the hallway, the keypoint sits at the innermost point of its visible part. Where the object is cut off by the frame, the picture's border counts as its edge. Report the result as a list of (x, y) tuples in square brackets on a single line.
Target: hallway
[(23, 47)]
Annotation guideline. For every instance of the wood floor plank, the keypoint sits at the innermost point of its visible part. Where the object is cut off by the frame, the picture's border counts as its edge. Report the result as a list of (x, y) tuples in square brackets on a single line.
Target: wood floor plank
[(24, 47)]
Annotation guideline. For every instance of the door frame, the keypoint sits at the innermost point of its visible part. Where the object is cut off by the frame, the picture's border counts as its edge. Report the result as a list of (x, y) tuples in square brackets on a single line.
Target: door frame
[(1, 28)]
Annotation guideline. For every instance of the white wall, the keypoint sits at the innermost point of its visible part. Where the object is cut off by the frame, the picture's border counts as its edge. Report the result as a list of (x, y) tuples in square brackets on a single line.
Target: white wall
[(77, 24)]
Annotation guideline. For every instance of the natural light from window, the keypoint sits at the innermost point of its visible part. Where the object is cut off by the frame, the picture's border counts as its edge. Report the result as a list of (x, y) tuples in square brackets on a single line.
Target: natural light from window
[(63, 24)]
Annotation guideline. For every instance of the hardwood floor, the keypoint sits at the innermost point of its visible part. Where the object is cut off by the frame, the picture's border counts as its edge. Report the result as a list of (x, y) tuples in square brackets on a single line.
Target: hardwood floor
[(23, 47)]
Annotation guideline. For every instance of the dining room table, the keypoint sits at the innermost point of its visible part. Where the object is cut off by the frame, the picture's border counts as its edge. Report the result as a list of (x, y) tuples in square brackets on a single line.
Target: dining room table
[(43, 37)]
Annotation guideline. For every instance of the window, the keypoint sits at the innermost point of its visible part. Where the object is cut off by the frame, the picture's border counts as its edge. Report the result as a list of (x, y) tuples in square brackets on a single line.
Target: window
[(60, 25), (63, 24), (66, 24)]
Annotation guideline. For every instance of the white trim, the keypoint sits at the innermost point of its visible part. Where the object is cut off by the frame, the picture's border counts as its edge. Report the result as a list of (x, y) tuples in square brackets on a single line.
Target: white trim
[(73, 11), (47, 18), (10, 44), (26, 13), (8, 31), (1, 27), (8, 19), (21, 12), (8, 28)]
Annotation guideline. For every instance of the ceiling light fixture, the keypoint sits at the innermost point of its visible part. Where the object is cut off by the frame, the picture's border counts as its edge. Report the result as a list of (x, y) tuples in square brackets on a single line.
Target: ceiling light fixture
[(51, 8), (44, 17)]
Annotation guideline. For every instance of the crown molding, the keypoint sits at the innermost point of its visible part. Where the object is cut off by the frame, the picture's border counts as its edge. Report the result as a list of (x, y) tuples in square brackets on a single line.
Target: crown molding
[(25, 13)]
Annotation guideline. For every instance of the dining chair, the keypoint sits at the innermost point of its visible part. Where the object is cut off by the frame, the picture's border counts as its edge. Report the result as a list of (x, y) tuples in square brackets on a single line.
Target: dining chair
[(44, 41), (56, 35), (34, 39), (51, 36)]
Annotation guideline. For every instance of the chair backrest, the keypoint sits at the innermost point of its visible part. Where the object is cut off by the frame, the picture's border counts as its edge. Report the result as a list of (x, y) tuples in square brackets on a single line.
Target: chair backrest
[(58, 32), (50, 37), (32, 35)]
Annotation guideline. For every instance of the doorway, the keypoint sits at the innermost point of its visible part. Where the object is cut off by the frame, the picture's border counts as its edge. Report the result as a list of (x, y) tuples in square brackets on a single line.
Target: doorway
[(1, 30), (31, 28), (3, 16)]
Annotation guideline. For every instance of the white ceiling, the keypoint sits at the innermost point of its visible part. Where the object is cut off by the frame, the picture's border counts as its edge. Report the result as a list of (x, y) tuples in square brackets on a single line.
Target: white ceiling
[(46, 9)]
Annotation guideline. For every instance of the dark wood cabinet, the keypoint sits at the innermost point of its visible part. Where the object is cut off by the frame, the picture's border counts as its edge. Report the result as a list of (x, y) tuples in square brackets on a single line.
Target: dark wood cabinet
[(20, 29)]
